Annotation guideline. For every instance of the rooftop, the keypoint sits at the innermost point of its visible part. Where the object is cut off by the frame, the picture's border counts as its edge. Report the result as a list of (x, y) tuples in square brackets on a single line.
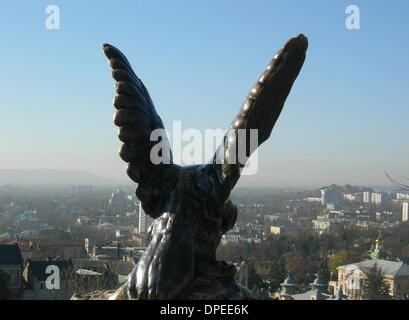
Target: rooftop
[(86, 272), (61, 243), (24, 245), (289, 282), (390, 268), (10, 254), (38, 268)]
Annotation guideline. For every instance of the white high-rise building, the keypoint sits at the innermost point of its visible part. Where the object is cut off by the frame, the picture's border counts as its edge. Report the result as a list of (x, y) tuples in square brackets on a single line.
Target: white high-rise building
[(366, 197), (144, 220), (328, 195), (402, 196), (377, 198), (405, 213)]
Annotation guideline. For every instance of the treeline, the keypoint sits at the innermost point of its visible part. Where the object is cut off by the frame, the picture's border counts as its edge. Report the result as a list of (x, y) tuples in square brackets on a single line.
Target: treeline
[(305, 255)]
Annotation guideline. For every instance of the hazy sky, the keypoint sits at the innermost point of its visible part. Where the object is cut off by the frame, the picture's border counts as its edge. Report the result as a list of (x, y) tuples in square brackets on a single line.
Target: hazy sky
[(346, 119)]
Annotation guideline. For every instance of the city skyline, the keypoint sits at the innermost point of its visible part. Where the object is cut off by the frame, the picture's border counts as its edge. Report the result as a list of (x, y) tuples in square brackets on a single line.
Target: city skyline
[(344, 121)]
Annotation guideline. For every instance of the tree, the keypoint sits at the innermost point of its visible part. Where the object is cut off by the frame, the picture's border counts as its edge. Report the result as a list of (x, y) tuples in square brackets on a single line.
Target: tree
[(254, 279), (338, 260), (277, 273), (300, 267), (324, 272), (375, 286)]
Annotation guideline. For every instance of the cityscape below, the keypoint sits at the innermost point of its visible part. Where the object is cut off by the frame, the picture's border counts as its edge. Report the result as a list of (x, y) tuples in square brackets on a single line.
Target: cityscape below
[(198, 157), (295, 243)]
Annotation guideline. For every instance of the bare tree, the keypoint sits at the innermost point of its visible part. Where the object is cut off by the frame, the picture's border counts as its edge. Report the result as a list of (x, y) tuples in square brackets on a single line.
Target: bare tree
[(399, 185)]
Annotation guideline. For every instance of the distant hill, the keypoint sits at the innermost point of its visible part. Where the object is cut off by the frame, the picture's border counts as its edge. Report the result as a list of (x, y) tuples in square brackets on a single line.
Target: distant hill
[(52, 177)]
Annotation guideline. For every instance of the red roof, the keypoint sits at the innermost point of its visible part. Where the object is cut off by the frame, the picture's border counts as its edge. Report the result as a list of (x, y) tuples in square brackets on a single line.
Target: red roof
[(61, 243), (23, 244)]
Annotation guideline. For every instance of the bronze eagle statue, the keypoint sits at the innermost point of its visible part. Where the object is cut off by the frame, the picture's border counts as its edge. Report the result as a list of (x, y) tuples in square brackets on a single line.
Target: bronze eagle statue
[(190, 204)]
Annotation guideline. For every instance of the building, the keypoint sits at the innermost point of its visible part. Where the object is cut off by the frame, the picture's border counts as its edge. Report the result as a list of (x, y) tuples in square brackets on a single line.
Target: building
[(51, 233), (118, 267), (366, 198), (379, 250), (283, 229), (328, 196), (144, 220), (405, 211), (243, 274), (323, 223), (11, 269), (114, 251), (402, 196), (373, 197), (288, 288), (117, 198), (377, 198), (384, 216), (350, 196), (64, 249), (131, 214), (283, 216), (100, 275), (352, 276), (36, 274), (84, 220), (30, 234), (8, 236), (4, 286), (85, 281), (26, 247), (318, 291), (298, 210), (28, 215), (355, 197), (107, 226), (232, 236)]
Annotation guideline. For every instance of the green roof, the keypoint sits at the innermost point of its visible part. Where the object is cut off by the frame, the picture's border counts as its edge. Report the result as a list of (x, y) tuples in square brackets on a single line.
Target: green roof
[(379, 255)]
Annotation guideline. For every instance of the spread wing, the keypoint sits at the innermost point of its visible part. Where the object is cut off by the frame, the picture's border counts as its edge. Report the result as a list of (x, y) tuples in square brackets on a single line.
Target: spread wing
[(260, 111), (152, 168)]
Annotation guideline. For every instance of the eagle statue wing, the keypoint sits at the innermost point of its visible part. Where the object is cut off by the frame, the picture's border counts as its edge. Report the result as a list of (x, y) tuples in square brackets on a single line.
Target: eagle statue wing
[(137, 119), (260, 111)]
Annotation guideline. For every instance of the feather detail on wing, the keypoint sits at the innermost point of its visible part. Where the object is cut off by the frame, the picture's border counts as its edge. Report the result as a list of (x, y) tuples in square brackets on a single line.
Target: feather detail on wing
[(261, 110), (136, 118)]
